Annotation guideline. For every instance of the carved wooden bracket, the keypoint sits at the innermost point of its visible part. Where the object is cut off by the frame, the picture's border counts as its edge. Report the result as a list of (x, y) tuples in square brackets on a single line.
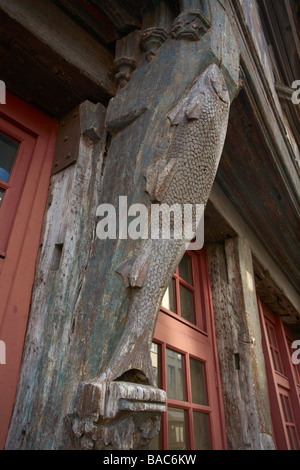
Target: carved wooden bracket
[(190, 25), (110, 413), (85, 120), (168, 124), (152, 39), (156, 26), (127, 54)]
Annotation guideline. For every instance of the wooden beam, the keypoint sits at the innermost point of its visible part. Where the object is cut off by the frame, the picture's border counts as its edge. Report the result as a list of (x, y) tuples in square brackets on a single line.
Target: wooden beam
[(241, 360), (259, 252), (55, 29)]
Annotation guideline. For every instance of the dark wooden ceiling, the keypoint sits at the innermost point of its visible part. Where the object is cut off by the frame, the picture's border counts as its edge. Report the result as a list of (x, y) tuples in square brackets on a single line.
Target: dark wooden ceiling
[(251, 180), (281, 22), (106, 20)]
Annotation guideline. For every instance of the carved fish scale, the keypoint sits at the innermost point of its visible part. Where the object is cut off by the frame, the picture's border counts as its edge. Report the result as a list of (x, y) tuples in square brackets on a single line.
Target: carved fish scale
[(185, 177)]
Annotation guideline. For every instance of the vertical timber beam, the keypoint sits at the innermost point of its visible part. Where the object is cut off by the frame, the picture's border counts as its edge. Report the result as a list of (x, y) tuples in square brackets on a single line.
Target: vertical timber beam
[(242, 366), (167, 126), (68, 232), (164, 116)]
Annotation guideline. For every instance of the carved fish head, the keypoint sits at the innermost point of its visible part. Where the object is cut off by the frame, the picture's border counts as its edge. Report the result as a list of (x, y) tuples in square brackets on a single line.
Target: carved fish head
[(218, 84), (209, 85), (213, 80)]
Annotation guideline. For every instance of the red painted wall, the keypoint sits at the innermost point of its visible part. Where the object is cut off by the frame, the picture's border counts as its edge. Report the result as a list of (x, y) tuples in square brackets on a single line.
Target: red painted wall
[(23, 225)]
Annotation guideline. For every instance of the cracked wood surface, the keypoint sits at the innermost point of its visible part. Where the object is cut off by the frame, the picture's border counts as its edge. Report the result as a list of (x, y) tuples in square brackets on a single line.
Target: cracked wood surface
[(80, 311)]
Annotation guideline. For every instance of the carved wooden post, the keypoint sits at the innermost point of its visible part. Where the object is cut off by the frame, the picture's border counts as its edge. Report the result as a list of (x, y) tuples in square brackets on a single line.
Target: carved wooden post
[(244, 384), (168, 123)]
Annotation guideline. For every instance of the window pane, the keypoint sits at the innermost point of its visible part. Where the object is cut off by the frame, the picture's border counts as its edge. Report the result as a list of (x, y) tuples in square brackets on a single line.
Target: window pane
[(155, 358), (288, 409), (177, 429), (187, 304), (277, 364), (273, 337), (199, 395), (293, 438), (175, 375), (169, 297), (283, 408), (185, 269), (8, 152), (1, 195), (201, 431)]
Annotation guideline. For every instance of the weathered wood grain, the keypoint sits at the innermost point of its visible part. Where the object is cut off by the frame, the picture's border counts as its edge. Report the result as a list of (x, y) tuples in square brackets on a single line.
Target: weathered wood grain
[(67, 239), (242, 368), (80, 310)]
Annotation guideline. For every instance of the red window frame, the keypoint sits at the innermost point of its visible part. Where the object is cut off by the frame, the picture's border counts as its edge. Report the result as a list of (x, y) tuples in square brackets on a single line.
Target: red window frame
[(283, 387), (296, 367), (201, 296), (14, 187), (193, 341), (273, 345)]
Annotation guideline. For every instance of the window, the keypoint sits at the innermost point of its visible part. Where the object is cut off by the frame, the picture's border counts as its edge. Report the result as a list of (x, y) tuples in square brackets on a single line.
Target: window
[(276, 359), (284, 389), (296, 367), (16, 150), (289, 420), (183, 297), (8, 151), (185, 364)]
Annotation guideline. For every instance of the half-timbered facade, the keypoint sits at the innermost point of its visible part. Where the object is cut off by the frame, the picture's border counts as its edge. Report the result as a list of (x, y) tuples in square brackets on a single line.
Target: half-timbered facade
[(133, 342)]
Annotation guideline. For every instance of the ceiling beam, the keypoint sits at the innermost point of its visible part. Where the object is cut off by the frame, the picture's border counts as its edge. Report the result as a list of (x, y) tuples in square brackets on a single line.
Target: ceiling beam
[(55, 29)]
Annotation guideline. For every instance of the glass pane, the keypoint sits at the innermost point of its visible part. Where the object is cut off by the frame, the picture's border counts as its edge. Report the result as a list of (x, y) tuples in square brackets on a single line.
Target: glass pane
[(175, 375), (201, 431), (177, 429), (277, 364), (187, 304), (199, 395), (154, 352), (8, 152), (283, 408), (1, 195), (273, 337), (168, 300), (185, 269), (288, 410), (293, 438)]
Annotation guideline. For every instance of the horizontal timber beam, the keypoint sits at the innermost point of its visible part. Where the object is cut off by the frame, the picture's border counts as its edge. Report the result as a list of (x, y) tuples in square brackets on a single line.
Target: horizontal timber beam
[(229, 213), (55, 29)]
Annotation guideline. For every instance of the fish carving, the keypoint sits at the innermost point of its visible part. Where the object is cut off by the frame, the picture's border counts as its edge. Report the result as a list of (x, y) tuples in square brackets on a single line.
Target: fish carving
[(186, 176)]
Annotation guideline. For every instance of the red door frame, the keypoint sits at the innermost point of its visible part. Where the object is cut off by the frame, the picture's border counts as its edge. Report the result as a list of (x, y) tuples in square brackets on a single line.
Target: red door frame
[(21, 242), (197, 341), (280, 383)]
